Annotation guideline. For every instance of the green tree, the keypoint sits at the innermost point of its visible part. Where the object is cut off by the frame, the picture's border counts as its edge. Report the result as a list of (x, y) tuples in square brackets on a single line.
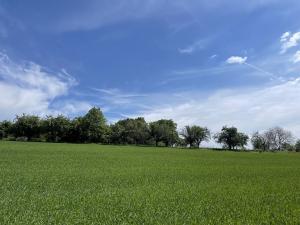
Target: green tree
[(231, 138), (5, 129), (94, 126), (91, 128), (277, 138), (27, 126), (117, 134), (76, 133), (195, 135), (242, 140), (130, 131), (180, 142), (297, 146), (288, 147), (164, 131), (56, 129), (259, 142)]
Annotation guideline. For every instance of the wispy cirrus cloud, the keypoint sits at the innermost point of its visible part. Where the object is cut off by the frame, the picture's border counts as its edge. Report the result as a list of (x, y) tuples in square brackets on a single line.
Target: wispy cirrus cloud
[(27, 87), (213, 56), (249, 109), (116, 97), (278, 63), (196, 46), (243, 60), (116, 103)]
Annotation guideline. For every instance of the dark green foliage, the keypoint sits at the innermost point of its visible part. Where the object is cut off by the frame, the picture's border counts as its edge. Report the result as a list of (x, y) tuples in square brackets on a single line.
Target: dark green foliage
[(242, 140), (56, 129), (288, 147), (90, 128), (231, 138), (77, 131), (5, 129), (259, 142), (195, 135), (164, 131), (93, 126), (27, 126), (180, 142), (297, 146), (130, 131)]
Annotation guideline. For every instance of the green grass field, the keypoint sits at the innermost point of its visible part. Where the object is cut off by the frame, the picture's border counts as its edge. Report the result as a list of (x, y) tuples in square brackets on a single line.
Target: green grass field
[(93, 184)]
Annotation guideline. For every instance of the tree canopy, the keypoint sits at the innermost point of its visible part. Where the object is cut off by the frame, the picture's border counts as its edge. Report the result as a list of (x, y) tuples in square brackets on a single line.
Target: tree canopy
[(130, 131), (28, 126), (274, 139), (164, 131), (93, 128), (231, 138), (195, 135)]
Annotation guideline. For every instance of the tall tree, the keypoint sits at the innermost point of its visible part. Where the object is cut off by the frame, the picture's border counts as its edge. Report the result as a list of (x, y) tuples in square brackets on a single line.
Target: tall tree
[(243, 140), (5, 129), (195, 135), (259, 142), (277, 138), (94, 126), (77, 131), (164, 131), (130, 131), (231, 138), (27, 126), (56, 129)]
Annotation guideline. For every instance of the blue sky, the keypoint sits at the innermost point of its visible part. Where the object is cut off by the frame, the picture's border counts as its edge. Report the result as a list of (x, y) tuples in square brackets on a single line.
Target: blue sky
[(209, 62)]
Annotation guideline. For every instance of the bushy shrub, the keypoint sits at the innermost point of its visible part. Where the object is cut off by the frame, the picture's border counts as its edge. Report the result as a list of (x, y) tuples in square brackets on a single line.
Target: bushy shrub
[(22, 139), (37, 139), (10, 138)]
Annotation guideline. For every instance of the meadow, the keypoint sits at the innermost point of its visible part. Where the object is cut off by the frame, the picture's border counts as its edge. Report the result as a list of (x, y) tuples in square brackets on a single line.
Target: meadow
[(44, 183)]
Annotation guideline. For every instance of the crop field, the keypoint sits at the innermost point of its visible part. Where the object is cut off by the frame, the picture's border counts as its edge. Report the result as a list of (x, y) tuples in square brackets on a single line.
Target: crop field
[(92, 184)]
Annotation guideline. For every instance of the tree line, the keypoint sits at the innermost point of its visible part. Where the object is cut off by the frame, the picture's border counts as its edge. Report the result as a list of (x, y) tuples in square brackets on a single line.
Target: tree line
[(93, 128)]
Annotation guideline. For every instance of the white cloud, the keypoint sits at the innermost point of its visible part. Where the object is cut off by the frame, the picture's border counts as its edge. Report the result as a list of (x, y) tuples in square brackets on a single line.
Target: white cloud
[(249, 110), (29, 88), (285, 36), (289, 40), (188, 50), (236, 60), (198, 45), (116, 97), (296, 57), (243, 60), (71, 107)]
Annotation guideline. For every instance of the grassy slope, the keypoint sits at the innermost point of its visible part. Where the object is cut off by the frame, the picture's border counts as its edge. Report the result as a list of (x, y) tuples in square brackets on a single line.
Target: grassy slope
[(92, 184)]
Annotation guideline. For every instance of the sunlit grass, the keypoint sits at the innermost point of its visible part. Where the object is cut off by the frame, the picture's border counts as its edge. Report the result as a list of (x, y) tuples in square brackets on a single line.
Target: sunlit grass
[(92, 184)]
